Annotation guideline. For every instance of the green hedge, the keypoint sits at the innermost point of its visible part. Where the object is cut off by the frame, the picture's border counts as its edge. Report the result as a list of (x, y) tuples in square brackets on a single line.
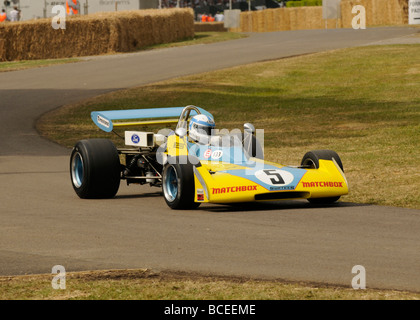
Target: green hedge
[(304, 3)]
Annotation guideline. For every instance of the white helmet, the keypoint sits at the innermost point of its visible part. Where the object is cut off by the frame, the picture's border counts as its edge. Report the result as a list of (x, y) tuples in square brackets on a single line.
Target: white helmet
[(200, 128)]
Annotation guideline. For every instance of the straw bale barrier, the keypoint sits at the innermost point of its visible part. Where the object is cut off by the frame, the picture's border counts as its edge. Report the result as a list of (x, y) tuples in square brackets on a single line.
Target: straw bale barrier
[(209, 27), (94, 34), (2, 50), (378, 12)]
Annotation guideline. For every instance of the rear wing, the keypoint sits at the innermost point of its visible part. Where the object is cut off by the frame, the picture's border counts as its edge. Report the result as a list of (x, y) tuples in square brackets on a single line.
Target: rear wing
[(107, 120)]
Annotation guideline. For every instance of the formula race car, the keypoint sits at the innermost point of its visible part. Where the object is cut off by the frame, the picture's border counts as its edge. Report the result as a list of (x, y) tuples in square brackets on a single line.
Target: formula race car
[(196, 163)]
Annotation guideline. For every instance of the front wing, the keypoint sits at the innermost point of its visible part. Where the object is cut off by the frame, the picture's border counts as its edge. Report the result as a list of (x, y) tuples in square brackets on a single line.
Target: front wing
[(217, 182)]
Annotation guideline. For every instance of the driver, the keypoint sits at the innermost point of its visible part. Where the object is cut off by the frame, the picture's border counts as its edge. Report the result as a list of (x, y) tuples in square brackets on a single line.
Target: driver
[(201, 129)]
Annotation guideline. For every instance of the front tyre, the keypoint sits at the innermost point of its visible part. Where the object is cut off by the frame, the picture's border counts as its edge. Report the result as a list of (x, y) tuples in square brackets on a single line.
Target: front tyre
[(311, 160), (95, 169), (178, 185)]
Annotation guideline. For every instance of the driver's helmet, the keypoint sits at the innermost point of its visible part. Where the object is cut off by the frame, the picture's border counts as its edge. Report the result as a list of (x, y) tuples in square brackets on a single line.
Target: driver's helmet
[(200, 128)]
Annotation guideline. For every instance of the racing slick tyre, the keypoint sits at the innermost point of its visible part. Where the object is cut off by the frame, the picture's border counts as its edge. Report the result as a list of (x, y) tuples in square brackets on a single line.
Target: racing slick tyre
[(311, 160), (178, 184), (95, 169)]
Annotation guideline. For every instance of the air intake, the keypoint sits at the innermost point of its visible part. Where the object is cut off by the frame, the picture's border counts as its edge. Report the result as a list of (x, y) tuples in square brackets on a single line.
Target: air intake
[(282, 195)]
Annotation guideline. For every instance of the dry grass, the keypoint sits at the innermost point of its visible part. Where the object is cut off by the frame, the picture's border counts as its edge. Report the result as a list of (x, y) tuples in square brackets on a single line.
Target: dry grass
[(143, 284), (29, 64)]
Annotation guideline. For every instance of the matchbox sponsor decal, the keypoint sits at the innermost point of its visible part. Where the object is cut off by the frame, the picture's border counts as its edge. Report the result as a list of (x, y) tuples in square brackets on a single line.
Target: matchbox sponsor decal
[(103, 121), (323, 184), (233, 189)]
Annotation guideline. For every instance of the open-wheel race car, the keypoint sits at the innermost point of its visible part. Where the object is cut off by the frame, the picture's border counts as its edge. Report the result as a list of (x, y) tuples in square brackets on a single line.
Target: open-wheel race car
[(196, 163)]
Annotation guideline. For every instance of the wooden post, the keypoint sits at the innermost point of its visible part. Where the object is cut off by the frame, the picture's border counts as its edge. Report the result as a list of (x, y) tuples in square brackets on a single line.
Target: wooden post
[(2, 50)]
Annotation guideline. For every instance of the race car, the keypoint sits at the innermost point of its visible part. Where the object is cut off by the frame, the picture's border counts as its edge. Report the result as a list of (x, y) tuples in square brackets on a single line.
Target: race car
[(196, 162)]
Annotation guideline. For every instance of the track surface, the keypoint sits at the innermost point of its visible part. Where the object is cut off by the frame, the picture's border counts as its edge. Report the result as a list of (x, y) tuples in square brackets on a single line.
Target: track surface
[(43, 223)]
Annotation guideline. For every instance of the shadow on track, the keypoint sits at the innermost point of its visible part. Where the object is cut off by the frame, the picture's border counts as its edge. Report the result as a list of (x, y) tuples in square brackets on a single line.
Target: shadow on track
[(275, 205), (249, 206)]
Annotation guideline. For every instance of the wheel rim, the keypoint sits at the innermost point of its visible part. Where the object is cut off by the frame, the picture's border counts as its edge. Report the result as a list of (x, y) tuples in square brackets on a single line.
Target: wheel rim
[(77, 170), (170, 185), (311, 163)]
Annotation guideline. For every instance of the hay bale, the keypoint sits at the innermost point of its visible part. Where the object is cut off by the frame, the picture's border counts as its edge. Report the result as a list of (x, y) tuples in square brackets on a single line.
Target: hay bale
[(269, 20), (276, 19), (286, 19), (378, 12), (258, 21), (314, 18), (209, 27), (301, 20), (2, 50), (251, 25), (404, 13), (99, 33), (246, 21), (293, 16)]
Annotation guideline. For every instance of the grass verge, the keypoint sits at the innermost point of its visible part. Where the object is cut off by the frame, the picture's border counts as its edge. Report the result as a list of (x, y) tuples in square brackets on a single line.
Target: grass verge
[(201, 38), (28, 64), (142, 284), (363, 103)]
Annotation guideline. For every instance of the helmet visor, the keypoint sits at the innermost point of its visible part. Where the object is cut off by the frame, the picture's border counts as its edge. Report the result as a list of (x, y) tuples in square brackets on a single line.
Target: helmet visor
[(204, 129)]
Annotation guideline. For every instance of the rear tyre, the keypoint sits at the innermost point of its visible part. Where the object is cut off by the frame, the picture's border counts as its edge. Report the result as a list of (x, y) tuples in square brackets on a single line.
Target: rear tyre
[(178, 184), (311, 160), (95, 169)]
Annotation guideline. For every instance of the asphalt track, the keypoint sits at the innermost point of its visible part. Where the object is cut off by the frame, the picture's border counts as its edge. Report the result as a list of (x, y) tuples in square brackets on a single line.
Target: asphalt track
[(43, 223)]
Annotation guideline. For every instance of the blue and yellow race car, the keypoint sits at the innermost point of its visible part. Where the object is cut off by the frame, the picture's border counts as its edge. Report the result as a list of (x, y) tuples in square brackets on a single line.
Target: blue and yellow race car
[(196, 162)]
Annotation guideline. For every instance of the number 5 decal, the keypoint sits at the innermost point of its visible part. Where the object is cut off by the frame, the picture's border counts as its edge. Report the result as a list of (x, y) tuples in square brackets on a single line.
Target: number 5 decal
[(275, 177)]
